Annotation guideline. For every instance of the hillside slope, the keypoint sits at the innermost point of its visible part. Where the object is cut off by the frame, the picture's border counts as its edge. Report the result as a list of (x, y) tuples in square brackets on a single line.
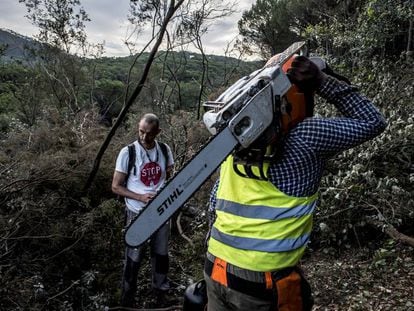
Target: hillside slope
[(15, 45)]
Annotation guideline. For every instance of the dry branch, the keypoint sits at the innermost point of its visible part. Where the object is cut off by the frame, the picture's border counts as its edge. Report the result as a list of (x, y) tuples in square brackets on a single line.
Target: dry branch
[(390, 229), (180, 230), (398, 236)]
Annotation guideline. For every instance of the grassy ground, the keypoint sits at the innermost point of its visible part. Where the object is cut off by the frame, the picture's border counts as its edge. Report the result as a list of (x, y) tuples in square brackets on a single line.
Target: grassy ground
[(365, 279)]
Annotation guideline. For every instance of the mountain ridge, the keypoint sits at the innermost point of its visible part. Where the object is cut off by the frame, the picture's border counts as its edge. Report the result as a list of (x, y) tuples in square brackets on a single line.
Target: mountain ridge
[(15, 46)]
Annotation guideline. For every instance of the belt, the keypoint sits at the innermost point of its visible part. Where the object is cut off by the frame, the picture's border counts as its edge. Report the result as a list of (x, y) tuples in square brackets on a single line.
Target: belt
[(253, 283)]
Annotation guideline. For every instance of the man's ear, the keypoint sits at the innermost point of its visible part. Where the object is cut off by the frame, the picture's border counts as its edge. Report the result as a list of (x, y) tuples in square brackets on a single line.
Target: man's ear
[(159, 131)]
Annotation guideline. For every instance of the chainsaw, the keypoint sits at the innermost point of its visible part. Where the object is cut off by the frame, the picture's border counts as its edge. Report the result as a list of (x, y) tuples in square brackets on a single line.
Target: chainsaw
[(245, 119)]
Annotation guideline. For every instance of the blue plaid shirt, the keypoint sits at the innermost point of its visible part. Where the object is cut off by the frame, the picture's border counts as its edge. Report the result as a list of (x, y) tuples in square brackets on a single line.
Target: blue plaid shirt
[(315, 140)]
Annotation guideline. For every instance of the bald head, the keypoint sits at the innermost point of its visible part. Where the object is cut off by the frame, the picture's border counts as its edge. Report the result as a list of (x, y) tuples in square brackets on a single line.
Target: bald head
[(151, 119), (148, 129)]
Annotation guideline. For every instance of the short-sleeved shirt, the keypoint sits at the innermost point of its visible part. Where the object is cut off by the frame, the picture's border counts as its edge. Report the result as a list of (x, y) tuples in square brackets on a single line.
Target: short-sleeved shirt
[(150, 174)]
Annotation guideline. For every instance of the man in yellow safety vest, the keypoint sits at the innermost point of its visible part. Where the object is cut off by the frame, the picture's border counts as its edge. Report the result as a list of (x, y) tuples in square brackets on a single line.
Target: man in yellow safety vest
[(261, 227)]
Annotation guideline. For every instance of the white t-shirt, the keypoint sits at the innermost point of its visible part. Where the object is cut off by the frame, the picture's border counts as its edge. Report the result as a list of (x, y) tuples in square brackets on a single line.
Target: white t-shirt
[(150, 173)]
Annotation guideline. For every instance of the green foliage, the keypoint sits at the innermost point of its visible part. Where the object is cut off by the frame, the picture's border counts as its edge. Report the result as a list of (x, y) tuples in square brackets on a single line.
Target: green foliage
[(174, 81), (369, 27), (364, 39), (20, 93), (267, 26), (383, 26), (108, 95), (370, 186), (376, 28), (62, 248), (56, 231), (61, 23)]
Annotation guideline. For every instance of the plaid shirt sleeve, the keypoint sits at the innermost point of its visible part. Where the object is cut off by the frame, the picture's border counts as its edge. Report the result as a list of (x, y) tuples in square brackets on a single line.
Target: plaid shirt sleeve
[(315, 140), (361, 120), (211, 212)]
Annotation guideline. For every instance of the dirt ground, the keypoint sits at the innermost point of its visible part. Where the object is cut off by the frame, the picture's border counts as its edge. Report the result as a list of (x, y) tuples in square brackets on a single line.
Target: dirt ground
[(354, 279), (360, 279)]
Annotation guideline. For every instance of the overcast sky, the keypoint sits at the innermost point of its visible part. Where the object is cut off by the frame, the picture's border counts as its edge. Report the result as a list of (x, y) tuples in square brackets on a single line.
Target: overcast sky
[(109, 24)]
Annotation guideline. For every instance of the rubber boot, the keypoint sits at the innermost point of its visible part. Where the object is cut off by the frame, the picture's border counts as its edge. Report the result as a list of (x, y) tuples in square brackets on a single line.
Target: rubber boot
[(160, 265), (129, 283)]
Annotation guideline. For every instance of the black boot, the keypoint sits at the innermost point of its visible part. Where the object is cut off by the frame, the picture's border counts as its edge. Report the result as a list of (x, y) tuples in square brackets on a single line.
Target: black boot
[(129, 283)]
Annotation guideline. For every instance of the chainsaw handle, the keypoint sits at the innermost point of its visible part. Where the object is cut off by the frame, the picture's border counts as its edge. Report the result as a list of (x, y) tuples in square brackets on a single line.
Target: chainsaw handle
[(323, 65)]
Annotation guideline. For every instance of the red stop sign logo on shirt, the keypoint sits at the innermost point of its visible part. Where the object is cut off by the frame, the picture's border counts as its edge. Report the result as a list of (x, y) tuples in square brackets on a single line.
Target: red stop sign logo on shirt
[(151, 174)]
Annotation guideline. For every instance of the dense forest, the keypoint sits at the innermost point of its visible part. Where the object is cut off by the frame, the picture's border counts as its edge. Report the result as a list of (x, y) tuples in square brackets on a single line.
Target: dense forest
[(66, 111)]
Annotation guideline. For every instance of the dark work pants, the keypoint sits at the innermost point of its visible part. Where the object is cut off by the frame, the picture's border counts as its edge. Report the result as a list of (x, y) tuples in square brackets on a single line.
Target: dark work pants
[(224, 298), (159, 263)]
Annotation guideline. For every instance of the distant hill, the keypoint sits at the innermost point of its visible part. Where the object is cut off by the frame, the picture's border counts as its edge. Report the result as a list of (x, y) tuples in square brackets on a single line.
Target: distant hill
[(15, 45), (181, 72)]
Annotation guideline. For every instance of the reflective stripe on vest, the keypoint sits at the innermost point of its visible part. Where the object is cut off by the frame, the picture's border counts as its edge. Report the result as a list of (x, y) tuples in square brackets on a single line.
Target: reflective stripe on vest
[(258, 227), (265, 212), (259, 244)]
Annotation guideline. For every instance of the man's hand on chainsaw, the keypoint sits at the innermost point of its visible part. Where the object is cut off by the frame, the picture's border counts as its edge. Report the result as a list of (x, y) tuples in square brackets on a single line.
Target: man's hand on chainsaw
[(305, 74)]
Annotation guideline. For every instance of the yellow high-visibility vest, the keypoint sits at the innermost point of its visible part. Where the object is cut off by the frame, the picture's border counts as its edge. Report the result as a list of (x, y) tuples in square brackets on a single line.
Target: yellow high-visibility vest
[(258, 227)]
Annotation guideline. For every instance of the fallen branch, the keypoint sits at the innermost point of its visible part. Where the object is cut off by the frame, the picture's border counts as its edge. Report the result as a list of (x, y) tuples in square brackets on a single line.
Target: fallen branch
[(64, 291), (390, 229), (180, 230), (396, 235)]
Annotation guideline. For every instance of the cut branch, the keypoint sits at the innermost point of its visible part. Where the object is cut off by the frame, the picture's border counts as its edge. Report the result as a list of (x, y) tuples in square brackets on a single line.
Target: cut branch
[(398, 236), (390, 229)]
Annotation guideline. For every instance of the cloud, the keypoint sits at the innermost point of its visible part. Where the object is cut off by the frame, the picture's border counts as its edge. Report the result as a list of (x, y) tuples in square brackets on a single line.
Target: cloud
[(109, 24), (13, 17)]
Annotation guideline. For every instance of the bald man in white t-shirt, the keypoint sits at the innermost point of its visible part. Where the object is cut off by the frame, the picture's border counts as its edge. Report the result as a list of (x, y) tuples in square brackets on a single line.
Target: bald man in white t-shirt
[(152, 166)]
